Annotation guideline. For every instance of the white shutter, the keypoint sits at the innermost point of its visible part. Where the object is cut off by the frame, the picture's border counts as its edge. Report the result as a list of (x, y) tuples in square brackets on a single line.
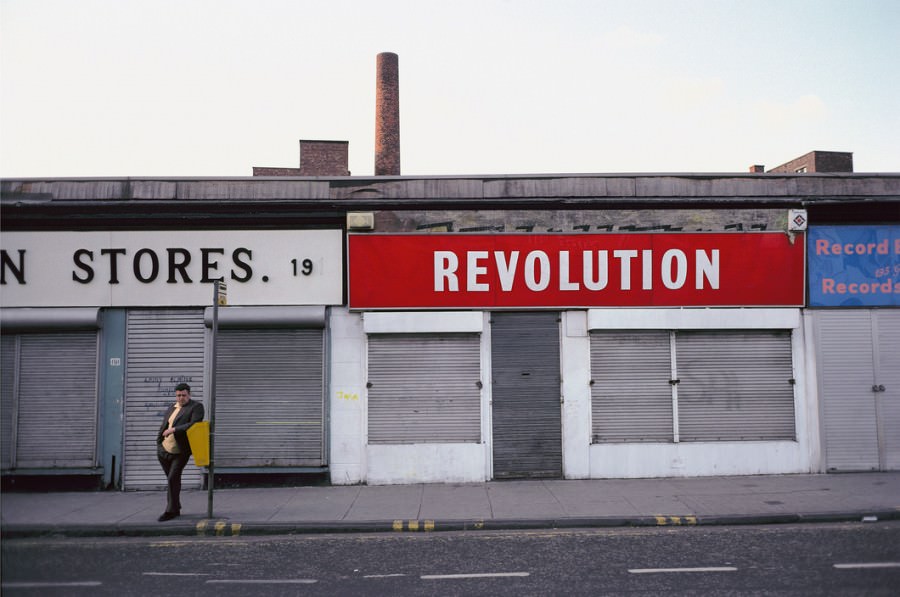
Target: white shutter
[(735, 386), (270, 398), (164, 348), (423, 388), (631, 397)]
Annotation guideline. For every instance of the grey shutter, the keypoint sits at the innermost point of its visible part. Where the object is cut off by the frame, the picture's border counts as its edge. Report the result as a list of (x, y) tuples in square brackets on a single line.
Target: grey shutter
[(845, 370), (525, 395), (8, 345), (164, 348), (631, 397), (269, 398), (57, 400), (887, 326), (424, 388), (735, 385)]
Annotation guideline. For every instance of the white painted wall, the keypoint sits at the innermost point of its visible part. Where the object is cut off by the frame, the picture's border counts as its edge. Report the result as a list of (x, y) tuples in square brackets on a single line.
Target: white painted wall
[(347, 397), (425, 463)]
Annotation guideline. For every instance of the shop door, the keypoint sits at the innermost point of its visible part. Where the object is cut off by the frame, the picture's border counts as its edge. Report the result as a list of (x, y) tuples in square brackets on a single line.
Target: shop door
[(164, 348), (860, 388), (526, 414)]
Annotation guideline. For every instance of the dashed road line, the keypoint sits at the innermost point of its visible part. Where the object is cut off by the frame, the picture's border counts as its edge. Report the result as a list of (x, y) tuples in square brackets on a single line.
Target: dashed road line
[(263, 581), (867, 565), (672, 570), (478, 575), (50, 585)]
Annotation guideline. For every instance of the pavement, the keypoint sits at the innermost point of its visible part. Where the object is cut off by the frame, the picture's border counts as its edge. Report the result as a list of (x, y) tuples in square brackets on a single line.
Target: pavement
[(527, 504)]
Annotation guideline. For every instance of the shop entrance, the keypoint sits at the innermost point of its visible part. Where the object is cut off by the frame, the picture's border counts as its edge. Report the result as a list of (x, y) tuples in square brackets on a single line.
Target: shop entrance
[(526, 412)]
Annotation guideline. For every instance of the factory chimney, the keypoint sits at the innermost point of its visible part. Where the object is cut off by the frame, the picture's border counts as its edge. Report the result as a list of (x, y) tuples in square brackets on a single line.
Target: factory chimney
[(387, 115)]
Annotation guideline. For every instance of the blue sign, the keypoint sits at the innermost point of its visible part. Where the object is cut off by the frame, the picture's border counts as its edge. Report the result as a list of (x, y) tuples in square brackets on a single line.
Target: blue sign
[(854, 266)]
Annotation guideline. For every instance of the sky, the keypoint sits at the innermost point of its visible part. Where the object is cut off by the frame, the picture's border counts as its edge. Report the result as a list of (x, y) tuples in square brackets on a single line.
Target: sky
[(96, 88)]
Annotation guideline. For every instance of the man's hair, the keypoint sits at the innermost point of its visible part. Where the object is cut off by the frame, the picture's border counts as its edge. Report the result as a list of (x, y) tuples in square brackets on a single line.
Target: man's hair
[(183, 386)]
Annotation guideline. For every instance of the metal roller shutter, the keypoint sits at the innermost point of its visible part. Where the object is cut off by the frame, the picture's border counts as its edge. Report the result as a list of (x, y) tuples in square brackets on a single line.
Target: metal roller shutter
[(164, 348), (526, 413), (270, 398), (424, 388), (7, 391), (631, 397), (887, 329), (58, 384), (735, 386)]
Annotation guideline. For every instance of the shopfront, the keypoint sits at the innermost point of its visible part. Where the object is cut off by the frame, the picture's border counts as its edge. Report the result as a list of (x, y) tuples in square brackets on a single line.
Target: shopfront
[(854, 296), (581, 355), (79, 394)]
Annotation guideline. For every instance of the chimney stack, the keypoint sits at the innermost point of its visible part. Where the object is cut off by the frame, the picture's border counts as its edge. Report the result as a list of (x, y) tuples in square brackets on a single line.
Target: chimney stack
[(757, 168), (387, 115)]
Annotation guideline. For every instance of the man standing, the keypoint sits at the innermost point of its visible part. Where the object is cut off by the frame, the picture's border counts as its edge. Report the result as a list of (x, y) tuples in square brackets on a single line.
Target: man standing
[(172, 446)]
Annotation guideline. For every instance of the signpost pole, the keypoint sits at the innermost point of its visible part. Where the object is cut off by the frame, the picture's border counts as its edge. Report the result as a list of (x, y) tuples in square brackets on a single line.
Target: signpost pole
[(219, 297)]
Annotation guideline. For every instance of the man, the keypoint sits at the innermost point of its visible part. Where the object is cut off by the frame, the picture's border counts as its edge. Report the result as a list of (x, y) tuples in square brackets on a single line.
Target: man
[(172, 446)]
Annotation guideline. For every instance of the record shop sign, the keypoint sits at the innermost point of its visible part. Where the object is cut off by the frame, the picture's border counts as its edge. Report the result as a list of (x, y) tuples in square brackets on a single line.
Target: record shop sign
[(170, 268)]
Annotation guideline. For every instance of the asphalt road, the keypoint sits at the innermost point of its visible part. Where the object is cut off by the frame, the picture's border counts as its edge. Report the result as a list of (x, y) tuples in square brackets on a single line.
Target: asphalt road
[(820, 559)]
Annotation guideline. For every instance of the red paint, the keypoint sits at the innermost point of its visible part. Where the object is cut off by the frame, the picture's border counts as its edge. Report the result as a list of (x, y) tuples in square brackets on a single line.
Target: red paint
[(443, 271)]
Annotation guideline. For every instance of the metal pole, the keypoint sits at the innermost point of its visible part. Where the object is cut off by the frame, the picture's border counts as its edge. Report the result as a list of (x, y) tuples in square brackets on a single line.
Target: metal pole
[(211, 469)]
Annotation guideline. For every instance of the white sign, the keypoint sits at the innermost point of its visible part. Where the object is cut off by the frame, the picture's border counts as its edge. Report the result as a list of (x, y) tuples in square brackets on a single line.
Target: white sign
[(170, 268)]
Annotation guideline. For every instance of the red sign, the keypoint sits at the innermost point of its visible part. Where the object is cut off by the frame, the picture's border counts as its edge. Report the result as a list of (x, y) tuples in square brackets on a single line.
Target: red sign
[(486, 271)]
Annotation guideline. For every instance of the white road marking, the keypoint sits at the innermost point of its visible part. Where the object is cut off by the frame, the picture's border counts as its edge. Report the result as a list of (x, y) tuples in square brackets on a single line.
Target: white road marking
[(867, 565), (264, 581), (382, 575), (667, 570), (483, 575), (175, 574), (50, 585)]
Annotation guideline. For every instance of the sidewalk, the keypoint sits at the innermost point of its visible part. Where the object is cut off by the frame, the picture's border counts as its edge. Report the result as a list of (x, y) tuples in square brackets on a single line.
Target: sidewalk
[(443, 507)]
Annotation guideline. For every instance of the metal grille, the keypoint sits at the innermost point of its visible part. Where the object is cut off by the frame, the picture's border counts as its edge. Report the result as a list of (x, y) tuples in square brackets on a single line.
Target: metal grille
[(526, 414), (735, 385), (56, 424), (424, 388), (164, 348), (631, 397), (269, 398)]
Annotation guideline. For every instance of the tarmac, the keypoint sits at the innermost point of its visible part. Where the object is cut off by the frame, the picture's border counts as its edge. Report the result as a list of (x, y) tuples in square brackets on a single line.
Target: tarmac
[(494, 505)]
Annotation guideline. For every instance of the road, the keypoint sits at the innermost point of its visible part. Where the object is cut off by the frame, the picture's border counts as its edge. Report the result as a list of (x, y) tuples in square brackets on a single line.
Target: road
[(821, 559)]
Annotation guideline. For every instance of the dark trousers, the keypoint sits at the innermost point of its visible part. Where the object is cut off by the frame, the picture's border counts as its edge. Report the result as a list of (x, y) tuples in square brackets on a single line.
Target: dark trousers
[(172, 465)]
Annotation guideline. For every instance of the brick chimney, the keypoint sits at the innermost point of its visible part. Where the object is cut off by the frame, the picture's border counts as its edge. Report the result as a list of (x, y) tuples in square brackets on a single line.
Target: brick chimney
[(387, 115), (757, 169)]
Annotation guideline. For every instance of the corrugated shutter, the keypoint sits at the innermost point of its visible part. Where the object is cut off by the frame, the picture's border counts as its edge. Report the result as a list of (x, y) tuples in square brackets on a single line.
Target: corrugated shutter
[(735, 385), (887, 325), (57, 397), (269, 398), (845, 370), (424, 388), (164, 348), (7, 391), (525, 395), (631, 397)]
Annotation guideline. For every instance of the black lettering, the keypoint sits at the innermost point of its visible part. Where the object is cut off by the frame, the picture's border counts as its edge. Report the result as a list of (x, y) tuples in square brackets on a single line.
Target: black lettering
[(179, 266), (113, 263), (244, 265), (7, 262), (88, 270), (210, 265), (154, 266)]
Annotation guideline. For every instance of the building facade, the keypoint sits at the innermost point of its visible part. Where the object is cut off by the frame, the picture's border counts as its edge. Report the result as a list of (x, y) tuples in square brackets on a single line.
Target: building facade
[(449, 329)]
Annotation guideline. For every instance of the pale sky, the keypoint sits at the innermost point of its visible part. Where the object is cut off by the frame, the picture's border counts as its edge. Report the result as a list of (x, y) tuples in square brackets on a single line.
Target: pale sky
[(213, 87)]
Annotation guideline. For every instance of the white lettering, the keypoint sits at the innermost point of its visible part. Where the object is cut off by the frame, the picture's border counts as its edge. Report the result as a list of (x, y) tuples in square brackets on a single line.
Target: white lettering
[(647, 269), (602, 270), (506, 270), (473, 270), (531, 266), (564, 283), (625, 258), (445, 266), (707, 268), (680, 260)]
